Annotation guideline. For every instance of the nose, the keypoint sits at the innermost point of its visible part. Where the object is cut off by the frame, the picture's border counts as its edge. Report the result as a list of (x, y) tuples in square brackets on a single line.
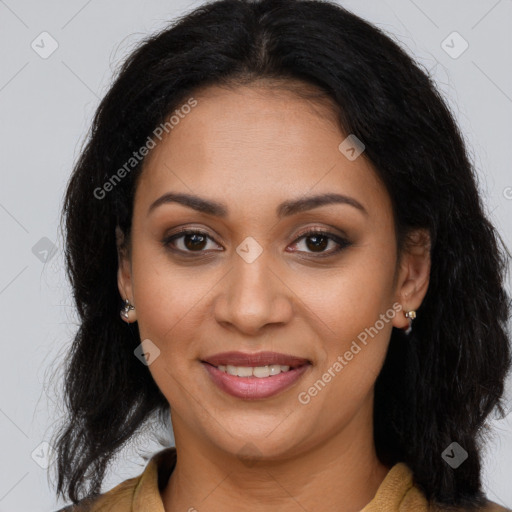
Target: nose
[(253, 296)]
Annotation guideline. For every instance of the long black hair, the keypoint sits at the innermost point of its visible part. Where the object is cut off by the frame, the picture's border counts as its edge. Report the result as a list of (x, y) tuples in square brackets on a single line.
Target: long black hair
[(439, 384)]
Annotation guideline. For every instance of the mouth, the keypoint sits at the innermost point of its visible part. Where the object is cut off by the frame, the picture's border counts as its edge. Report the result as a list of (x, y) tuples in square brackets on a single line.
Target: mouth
[(257, 360), (260, 372), (255, 376)]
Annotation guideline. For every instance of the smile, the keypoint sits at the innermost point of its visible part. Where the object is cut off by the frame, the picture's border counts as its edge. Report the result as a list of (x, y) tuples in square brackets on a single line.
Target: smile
[(254, 382), (256, 371)]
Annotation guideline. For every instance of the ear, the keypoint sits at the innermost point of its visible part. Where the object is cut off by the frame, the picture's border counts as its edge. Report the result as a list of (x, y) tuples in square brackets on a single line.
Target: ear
[(124, 272), (413, 275)]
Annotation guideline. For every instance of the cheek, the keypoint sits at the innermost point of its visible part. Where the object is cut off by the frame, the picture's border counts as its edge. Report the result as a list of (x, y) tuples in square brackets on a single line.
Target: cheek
[(351, 297), (353, 311), (167, 307), (166, 297)]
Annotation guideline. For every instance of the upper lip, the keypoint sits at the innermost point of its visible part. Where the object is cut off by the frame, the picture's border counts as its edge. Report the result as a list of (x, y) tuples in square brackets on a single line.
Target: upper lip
[(257, 359)]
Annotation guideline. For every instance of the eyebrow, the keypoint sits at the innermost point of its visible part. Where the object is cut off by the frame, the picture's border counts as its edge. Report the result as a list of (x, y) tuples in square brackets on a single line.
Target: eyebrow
[(285, 209)]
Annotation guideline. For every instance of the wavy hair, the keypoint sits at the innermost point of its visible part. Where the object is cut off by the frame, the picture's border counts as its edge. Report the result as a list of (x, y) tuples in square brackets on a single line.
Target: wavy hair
[(437, 385)]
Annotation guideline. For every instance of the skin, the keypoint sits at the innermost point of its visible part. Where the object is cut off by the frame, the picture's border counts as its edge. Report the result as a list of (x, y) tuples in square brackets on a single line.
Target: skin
[(251, 148)]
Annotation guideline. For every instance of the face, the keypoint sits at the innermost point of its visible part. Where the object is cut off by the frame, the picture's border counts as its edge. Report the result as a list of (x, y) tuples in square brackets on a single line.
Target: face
[(250, 280)]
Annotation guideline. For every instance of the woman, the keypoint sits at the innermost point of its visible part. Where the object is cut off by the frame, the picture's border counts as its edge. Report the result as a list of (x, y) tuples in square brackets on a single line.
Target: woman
[(275, 240)]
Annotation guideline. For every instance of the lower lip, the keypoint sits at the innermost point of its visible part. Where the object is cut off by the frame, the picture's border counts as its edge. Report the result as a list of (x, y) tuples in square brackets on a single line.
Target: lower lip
[(251, 388)]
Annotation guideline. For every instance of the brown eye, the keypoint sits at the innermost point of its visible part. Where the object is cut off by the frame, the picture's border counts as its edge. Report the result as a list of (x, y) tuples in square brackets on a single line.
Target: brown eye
[(316, 241), (188, 240), (194, 241)]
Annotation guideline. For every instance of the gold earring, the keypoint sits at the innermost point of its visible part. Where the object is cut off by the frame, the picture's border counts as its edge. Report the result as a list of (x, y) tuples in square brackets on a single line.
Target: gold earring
[(411, 315), (125, 312)]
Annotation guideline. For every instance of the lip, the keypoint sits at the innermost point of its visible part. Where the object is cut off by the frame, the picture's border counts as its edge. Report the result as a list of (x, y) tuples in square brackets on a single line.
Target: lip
[(257, 359), (253, 388)]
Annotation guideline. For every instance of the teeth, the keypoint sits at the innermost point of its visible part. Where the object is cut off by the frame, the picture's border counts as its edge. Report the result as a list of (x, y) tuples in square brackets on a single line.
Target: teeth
[(258, 371)]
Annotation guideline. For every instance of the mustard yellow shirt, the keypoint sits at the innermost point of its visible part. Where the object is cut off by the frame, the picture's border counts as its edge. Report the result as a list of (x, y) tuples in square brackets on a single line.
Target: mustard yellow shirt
[(396, 493)]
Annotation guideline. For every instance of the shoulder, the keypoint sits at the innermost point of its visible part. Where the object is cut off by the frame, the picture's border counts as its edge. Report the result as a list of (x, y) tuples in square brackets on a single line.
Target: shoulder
[(117, 499), (121, 497), (399, 492), (490, 506)]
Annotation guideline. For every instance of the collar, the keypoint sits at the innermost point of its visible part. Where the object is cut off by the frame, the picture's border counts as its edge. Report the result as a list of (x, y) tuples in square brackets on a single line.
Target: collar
[(152, 481), (396, 493)]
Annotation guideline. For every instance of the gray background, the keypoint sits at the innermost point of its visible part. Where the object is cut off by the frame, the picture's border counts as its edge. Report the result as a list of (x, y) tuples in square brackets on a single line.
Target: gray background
[(46, 105)]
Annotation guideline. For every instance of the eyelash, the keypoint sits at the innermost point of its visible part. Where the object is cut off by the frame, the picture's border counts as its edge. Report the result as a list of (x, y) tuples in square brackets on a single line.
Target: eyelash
[(342, 242)]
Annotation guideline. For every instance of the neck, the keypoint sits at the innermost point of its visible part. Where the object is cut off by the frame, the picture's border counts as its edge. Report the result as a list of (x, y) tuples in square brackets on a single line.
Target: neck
[(342, 474)]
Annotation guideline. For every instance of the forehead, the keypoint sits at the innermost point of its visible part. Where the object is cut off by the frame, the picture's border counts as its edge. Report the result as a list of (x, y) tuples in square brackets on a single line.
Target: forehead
[(256, 144)]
